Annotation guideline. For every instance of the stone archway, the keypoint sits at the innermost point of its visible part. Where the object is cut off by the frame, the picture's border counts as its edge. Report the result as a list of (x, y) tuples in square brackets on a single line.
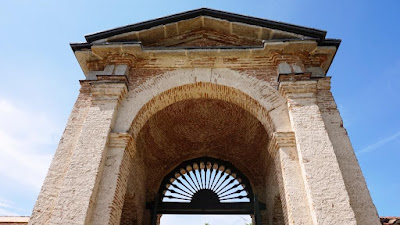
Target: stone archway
[(253, 95), (185, 95), (202, 127)]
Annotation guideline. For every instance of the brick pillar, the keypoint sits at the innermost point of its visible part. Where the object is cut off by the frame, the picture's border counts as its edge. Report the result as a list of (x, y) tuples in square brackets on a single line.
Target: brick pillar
[(114, 180), (326, 191), (78, 188), (293, 196)]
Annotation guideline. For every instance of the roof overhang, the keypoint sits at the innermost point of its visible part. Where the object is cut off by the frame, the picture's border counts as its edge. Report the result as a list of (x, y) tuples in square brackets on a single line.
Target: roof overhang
[(308, 33)]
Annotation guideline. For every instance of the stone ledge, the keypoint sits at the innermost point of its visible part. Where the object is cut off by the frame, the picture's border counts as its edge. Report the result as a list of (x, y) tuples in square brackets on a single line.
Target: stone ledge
[(390, 220), (14, 220), (7, 220), (281, 140)]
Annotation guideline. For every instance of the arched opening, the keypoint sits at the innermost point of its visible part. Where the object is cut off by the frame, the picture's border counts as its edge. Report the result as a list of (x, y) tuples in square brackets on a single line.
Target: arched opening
[(227, 151), (206, 185), (186, 114)]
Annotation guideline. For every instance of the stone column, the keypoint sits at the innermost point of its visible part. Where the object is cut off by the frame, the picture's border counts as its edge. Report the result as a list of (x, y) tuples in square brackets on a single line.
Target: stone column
[(52, 185), (114, 180), (282, 148), (76, 199), (360, 197), (327, 196)]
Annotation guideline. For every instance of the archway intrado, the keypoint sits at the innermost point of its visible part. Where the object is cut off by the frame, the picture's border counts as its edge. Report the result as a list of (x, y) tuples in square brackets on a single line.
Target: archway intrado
[(257, 97), (179, 116), (223, 142)]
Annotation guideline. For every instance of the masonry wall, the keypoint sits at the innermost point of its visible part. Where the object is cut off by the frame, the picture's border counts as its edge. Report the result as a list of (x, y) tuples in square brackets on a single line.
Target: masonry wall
[(273, 215), (59, 166), (360, 198)]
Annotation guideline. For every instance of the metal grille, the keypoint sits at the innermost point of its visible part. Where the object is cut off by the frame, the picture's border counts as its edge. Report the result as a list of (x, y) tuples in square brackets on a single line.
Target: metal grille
[(205, 186), (205, 180)]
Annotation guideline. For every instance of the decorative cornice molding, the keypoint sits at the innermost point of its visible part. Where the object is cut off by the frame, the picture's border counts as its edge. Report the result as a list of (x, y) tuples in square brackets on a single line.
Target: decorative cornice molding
[(124, 141), (294, 76), (324, 83), (298, 88), (281, 140), (107, 88), (110, 83), (111, 70)]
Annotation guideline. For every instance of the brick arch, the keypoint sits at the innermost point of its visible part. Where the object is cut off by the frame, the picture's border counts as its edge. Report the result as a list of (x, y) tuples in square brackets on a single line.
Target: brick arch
[(144, 101), (254, 95)]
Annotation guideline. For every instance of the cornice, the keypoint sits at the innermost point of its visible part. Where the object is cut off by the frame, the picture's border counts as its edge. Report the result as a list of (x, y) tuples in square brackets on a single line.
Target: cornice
[(123, 141), (281, 140)]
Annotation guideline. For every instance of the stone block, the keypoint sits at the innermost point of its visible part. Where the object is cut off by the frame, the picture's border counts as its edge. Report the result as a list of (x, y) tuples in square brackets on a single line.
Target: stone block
[(108, 70), (284, 68), (121, 70), (296, 68), (245, 30), (316, 71)]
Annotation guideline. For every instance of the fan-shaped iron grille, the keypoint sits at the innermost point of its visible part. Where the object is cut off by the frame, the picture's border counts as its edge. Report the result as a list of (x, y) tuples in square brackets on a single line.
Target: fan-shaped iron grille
[(205, 180), (205, 186)]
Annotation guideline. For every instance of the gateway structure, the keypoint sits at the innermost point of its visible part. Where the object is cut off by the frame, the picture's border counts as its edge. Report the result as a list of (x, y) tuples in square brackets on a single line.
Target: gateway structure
[(205, 112)]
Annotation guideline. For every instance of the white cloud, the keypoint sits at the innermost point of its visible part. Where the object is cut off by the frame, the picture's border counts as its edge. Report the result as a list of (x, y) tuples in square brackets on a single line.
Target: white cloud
[(380, 143), (7, 208), (6, 212), (27, 143)]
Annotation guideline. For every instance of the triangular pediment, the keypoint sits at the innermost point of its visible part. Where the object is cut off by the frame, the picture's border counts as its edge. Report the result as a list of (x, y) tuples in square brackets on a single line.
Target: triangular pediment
[(204, 31), (206, 28), (204, 38)]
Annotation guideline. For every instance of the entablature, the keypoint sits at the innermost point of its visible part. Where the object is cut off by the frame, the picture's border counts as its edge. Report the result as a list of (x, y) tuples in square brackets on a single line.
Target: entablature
[(306, 54)]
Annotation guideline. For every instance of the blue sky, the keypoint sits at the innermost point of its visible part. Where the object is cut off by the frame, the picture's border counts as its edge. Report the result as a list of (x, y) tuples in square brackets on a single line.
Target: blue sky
[(39, 79)]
